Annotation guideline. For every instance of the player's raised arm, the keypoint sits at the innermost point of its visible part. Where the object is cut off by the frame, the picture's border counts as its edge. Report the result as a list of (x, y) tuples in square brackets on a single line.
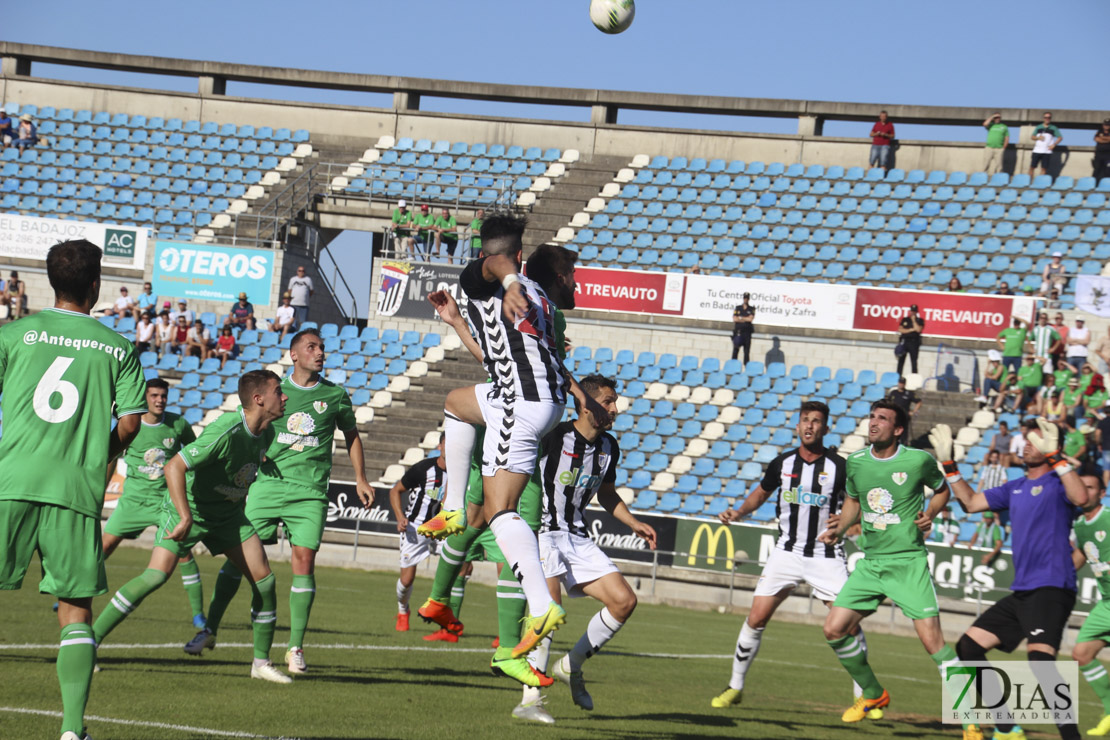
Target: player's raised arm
[(503, 269), (1046, 440), (448, 310), (970, 500), (608, 497)]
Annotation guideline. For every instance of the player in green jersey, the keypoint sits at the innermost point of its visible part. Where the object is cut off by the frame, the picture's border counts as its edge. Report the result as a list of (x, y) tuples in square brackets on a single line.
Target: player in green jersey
[(161, 435), (292, 488), (886, 485), (206, 483), (62, 374), (1093, 547)]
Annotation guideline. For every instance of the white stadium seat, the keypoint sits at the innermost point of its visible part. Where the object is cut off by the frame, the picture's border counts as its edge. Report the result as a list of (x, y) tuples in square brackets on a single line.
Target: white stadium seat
[(386, 142), (655, 391), (700, 396), (983, 419), (412, 456), (430, 441), (398, 384), (729, 415), (640, 160), (678, 393), (381, 400), (570, 156), (364, 415), (696, 447), (662, 482), (392, 474), (723, 397), (680, 464), (713, 431), (625, 175)]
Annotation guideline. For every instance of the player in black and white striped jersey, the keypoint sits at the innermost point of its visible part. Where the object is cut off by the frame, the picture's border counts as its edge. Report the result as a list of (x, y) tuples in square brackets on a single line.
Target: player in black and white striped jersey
[(424, 484), (579, 461), (811, 483)]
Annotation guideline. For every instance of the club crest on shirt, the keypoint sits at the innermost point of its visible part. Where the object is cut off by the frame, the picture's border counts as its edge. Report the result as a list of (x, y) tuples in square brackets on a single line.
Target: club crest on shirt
[(1036, 490), (1100, 535), (320, 406), (168, 442), (899, 478), (822, 479), (880, 500)]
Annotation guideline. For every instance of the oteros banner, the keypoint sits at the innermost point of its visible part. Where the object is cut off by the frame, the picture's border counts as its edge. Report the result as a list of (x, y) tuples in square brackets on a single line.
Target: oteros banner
[(963, 315), (211, 273), (25, 237)]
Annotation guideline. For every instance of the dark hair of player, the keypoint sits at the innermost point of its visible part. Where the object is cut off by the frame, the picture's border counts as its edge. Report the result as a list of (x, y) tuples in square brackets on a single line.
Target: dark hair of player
[(503, 233), (817, 406), (545, 265), (301, 335), (591, 384), (900, 417), (157, 383), (73, 267), (255, 382)]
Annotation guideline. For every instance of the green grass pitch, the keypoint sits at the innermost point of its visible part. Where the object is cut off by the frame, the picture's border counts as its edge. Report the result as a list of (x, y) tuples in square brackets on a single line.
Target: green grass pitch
[(367, 681)]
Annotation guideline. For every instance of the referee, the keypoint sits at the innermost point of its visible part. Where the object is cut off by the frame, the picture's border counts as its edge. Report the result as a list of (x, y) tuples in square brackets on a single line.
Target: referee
[(1042, 506)]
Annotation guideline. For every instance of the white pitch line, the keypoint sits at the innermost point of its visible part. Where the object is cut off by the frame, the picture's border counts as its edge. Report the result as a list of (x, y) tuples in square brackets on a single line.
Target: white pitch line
[(137, 723)]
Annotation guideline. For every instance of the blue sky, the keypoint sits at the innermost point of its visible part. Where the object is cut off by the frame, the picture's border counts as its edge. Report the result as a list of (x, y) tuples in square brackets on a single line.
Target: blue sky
[(1017, 54)]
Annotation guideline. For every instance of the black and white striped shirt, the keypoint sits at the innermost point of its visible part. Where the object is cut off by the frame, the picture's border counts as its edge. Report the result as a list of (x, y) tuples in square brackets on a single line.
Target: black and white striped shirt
[(571, 471), (425, 483), (808, 494), (520, 356)]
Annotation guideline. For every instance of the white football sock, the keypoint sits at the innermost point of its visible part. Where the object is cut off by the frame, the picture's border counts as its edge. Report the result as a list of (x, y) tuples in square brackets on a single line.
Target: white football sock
[(522, 552), (747, 646), (538, 658), (599, 631), (857, 690), (403, 594), (458, 446)]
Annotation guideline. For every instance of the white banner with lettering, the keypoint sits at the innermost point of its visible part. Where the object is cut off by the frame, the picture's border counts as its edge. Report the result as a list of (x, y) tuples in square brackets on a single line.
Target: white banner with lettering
[(26, 237), (777, 302), (1092, 294)]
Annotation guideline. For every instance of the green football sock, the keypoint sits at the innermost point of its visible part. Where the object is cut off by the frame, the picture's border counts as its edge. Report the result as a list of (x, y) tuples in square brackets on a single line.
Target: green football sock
[(76, 658), (511, 606), (126, 600), (264, 616), (190, 579), (854, 659), (227, 584), (301, 595), (458, 593), (1099, 681), (451, 558), (943, 657)]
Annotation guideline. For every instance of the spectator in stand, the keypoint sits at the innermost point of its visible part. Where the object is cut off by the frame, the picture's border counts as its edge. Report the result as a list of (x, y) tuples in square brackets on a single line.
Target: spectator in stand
[(988, 534), (1072, 397), (998, 138), (910, 328), (1054, 408), (1010, 397), (882, 136), (301, 289), (225, 346), (1079, 336), (27, 135), (402, 228), (1063, 373), (163, 332), (743, 317), (144, 334), (1061, 329), (475, 230), (909, 402), (7, 133), (946, 530), (147, 302), (1074, 442), (993, 473), (183, 310), (446, 235), (1101, 161), (1045, 138), (1000, 443), (425, 223), (1003, 289), (1012, 343), (1017, 443), (1053, 300), (1095, 395), (1039, 406), (1046, 342), (124, 305), (992, 375), (15, 294), (286, 319), (1053, 277), (241, 315), (1030, 376), (199, 341), (955, 286), (180, 337)]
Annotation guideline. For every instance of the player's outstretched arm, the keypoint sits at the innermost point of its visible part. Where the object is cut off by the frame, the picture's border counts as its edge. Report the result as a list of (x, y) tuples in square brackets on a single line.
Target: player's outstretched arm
[(755, 499), (354, 449), (924, 519), (175, 485), (970, 501), (448, 310), (849, 515), (608, 497), (395, 504), (123, 434)]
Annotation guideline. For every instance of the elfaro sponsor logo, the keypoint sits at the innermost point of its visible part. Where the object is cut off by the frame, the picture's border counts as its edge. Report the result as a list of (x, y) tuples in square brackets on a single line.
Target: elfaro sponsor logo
[(213, 263), (576, 479), (806, 498)]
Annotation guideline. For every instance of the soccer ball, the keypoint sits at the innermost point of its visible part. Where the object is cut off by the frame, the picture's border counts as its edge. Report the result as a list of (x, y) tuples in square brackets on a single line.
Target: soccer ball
[(612, 16)]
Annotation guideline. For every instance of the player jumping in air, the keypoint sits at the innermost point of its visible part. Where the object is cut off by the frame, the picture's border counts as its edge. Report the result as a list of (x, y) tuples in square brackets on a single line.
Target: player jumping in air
[(811, 482), (885, 483), (208, 508), (291, 488), (160, 436), (62, 375)]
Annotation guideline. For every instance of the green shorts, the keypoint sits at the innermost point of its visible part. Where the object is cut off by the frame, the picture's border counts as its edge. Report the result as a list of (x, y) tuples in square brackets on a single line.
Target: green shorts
[(1097, 624), (906, 581), (132, 516), (218, 535), (302, 511), (485, 549), (68, 544)]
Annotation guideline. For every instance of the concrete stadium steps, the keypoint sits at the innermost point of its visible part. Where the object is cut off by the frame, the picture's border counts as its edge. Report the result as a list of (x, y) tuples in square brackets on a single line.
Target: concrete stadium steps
[(938, 407), (569, 195), (412, 415)]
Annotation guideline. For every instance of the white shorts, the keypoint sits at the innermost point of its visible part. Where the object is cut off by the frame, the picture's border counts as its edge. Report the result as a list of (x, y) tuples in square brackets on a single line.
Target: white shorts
[(415, 548), (826, 576), (513, 430), (575, 559)]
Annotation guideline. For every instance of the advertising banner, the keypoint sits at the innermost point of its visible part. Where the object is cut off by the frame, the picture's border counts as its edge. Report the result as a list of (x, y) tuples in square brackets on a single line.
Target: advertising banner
[(1092, 294), (26, 237), (961, 315), (618, 542), (210, 273), (629, 291), (345, 509), (405, 286), (776, 302)]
